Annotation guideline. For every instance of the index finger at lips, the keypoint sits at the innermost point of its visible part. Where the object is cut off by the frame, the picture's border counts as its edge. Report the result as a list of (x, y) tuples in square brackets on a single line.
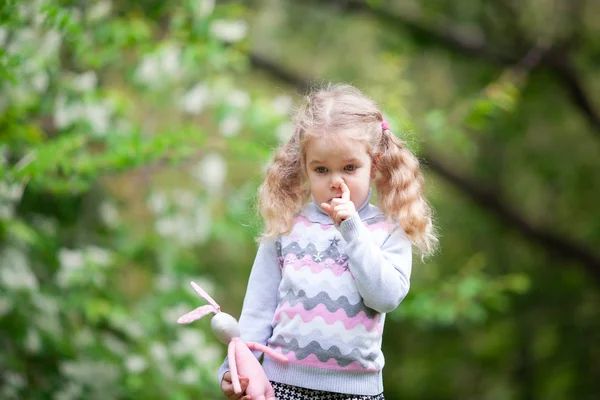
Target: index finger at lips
[(345, 191)]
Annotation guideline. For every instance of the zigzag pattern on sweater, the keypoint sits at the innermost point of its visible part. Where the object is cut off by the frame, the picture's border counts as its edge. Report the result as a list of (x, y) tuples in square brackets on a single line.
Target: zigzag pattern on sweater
[(296, 323), (329, 318), (323, 355), (332, 364), (298, 253), (345, 343), (323, 298), (325, 281)]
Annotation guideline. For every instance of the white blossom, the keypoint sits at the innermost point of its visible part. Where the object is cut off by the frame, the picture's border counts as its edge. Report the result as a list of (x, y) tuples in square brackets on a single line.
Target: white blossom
[(282, 104), (211, 171), (135, 363), (63, 115), (7, 211), (98, 115), (159, 353), (239, 98), (23, 39), (71, 391), (99, 10), (14, 379), (47, 314), (200, 225), (15, 272), (114, 344), (96, 374), (46, 305), (157, 202), (230, 125), (157, 67), (165, 282), (189, 376), (196, 229), (50, 44), (6, 306), (194, 101), (85, 82), (11, 191), (109, 214), (71, 259), (170, 59), (148, 70), (39, 82), (98, 255), (33, 343), (134, 329), (167, 226), (188, 341), (284, 132), (229, 31), (204, 8), (208, 355)]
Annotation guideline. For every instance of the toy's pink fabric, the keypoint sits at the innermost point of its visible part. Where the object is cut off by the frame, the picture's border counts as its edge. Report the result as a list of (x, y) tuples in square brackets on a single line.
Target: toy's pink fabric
[(241, 360), (196, 314), (202, 293), (247, 365)]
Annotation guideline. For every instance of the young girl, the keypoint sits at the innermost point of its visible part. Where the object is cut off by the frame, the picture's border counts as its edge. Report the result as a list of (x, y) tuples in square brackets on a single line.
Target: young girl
[(327, 272)]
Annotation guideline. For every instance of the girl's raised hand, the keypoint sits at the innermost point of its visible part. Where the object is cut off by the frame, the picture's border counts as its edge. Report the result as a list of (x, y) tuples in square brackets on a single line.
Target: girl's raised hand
[(340, 209), (227, 388)]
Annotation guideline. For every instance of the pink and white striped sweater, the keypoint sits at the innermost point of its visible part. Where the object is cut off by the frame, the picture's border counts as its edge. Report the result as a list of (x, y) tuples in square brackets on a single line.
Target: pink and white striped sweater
[(319, 296)]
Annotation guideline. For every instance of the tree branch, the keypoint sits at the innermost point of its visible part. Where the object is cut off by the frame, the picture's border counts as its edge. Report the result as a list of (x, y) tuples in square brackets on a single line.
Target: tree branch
[(488, 200), (565, 72), (449, 37), (281, 74)]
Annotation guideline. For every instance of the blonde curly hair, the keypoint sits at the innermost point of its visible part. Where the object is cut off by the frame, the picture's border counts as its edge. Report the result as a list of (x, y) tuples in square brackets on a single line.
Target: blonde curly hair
[(344, 110)]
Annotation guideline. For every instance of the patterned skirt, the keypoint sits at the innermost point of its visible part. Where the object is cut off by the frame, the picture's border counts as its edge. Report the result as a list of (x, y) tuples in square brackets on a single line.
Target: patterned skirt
[(288, 392)]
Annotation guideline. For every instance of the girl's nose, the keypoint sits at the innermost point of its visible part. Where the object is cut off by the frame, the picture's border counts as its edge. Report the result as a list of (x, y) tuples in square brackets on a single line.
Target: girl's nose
[(336, 182)]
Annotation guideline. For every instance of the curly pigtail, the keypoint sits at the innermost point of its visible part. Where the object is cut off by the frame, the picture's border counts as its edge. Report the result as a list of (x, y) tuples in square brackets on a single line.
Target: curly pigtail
[(400, 192), (282, 193)]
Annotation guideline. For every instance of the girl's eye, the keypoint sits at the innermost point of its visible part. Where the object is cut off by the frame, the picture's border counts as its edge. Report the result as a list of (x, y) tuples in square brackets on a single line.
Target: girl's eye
[(350, 167), (320, 170)]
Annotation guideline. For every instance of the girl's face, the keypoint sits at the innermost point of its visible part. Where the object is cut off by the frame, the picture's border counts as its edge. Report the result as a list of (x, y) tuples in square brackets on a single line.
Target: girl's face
[(333, 160)]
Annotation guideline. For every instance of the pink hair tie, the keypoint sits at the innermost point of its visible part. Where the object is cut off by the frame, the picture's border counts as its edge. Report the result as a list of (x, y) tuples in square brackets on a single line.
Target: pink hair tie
[(384, 125)]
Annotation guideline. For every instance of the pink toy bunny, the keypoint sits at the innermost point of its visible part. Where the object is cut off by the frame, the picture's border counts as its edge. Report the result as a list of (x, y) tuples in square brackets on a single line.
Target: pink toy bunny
[(241, 360)]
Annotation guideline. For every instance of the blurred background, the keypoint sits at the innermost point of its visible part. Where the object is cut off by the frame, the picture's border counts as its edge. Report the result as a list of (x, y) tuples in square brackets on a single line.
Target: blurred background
[(134, 134)]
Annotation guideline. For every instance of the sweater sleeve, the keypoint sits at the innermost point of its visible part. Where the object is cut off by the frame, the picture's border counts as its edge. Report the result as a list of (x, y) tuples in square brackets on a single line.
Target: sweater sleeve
[(382, 274), (260, 301)]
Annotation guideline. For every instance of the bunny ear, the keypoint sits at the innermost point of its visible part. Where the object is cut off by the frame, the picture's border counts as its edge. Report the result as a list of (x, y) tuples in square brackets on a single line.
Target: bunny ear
[(205, 295), (196, 314)]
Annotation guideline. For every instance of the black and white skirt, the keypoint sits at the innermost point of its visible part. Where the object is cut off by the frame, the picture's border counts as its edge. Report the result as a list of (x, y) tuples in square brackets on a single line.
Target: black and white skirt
[(288, 392)]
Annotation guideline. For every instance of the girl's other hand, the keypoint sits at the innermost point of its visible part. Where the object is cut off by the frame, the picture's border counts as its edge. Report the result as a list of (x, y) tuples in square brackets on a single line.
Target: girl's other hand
[(227, 388), (340, 209)]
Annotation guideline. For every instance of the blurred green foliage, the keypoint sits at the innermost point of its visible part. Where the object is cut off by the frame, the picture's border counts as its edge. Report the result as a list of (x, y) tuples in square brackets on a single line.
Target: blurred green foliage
[(133, 136)]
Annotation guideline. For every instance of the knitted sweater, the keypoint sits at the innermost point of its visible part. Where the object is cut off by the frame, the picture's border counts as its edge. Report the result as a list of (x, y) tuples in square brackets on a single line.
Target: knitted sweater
[(319, 296)]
